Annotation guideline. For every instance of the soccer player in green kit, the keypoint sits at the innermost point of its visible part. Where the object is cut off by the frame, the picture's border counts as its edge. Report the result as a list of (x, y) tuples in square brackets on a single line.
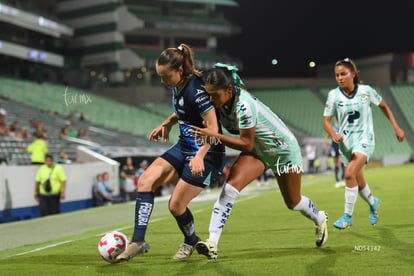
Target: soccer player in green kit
[(264, 141), (351, 103)]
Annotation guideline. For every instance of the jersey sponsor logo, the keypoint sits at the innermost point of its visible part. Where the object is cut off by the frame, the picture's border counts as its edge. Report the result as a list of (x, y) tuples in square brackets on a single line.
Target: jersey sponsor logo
[(205, 103), (352, 116), (246, 120), (280, 143), (201, 99), (242, 107), (144, 213), (199, 91)]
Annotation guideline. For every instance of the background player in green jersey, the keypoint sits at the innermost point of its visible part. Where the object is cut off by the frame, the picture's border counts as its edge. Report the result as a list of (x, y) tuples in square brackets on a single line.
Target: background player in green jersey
[(264, 142), (351, 103)]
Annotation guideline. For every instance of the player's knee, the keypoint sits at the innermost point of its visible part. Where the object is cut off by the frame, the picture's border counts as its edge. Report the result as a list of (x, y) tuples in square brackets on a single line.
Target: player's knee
[(143, 184), (148, 183), (174, 207), (349, 176)]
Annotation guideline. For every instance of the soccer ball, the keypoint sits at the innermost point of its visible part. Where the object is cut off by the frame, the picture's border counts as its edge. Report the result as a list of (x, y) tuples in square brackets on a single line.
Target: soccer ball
[(111, 245)]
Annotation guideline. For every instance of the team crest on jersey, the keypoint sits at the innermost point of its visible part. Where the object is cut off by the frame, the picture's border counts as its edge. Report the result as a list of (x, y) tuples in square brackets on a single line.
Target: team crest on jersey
[(364, 98), (181, 102)]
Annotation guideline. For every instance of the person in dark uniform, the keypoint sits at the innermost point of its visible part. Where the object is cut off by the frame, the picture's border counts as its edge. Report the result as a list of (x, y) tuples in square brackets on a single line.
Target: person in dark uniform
[(195, 165)]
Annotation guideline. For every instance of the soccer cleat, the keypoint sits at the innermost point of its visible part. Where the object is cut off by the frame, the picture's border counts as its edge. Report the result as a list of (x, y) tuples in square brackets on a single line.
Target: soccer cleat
[(321, 230), (373, 211), (208, 249), (343, 222), (184, 252), (133, 249)]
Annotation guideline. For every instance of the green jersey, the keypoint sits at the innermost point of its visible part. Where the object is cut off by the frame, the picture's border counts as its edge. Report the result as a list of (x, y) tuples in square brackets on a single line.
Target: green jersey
[(274, 143), (354, 116)]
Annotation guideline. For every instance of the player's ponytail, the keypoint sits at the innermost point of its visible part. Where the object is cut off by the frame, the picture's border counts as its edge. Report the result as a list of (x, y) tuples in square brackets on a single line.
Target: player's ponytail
[(188, 60), (182, 56)]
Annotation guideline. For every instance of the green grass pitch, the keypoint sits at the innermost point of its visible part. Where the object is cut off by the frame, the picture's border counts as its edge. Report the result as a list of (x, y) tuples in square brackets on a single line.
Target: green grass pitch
[(262, 237)]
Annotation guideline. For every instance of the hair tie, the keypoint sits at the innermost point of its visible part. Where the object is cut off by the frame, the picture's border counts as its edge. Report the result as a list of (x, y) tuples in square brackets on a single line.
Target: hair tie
[(236, 78), (180, 48)]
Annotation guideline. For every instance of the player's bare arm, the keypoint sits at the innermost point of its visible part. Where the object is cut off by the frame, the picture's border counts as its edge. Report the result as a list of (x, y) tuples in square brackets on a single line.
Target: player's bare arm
[(336, 137), (163, 131)]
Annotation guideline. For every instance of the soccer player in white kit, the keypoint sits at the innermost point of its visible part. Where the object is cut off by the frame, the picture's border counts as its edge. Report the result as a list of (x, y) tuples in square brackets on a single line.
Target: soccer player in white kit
[(351, 103), (265, 142)]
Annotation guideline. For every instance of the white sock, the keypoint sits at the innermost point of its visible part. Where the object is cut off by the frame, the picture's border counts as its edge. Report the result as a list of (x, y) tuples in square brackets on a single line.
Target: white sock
[(367, 195), (351, 195), (221, 211), (309, 210)]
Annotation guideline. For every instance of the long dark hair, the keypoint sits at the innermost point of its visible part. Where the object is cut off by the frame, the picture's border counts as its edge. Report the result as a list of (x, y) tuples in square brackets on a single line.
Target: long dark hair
[(220, 78)]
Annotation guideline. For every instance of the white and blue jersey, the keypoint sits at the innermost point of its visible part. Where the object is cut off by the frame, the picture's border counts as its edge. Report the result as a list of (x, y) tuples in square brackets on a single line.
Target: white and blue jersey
[(190, 105)]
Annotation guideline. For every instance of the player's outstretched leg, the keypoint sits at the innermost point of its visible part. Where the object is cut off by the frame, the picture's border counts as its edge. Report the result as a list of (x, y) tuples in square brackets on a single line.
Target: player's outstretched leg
[(133, 249), (143, 210)]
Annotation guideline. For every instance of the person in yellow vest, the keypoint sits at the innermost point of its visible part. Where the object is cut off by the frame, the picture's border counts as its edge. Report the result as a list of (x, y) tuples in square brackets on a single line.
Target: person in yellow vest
[(49, 194), (38, 148)]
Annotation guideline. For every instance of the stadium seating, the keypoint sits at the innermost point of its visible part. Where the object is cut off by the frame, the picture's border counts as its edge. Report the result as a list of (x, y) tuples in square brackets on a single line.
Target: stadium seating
[(98, 110), (119, 124), (297, 106), (404, 95), (106, 120)]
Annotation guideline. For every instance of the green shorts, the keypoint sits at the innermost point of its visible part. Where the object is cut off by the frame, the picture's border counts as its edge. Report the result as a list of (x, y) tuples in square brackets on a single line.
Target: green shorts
[(346, 153), (283, 160)]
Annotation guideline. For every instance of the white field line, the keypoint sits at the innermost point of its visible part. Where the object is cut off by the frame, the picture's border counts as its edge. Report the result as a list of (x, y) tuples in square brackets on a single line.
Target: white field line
[(40, 248), (68, 241), (123, 228)]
